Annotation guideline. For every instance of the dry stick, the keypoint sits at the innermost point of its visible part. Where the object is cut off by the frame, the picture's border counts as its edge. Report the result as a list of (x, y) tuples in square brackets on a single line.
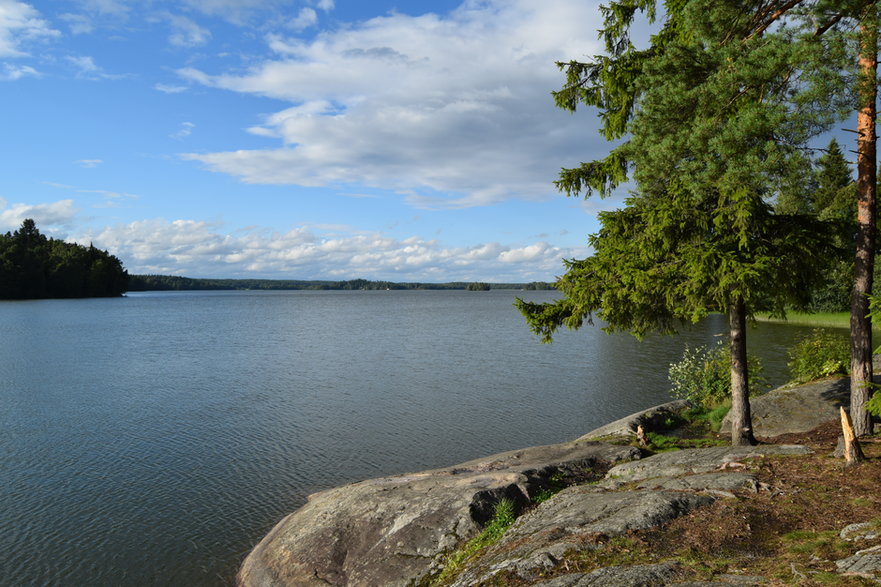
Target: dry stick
[(853, 454), (641, 436)]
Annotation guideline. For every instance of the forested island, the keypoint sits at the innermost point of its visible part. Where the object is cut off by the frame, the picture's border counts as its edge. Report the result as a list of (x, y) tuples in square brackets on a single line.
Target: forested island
[(175, 282), (33, 266)]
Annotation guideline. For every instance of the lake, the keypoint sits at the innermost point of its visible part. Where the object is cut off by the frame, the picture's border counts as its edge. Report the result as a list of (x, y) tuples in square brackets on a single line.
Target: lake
[(154, 439)]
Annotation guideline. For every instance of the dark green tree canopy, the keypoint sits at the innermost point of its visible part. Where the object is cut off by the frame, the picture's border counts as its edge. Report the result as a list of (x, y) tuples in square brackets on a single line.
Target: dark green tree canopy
[(33, 266)]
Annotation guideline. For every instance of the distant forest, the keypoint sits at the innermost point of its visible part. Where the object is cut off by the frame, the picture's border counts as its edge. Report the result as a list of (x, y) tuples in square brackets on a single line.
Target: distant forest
[(33, 266), (173, 282)]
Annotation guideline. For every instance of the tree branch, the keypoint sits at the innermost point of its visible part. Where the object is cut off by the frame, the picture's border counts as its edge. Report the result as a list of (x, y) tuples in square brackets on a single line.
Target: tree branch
[(774, 17)]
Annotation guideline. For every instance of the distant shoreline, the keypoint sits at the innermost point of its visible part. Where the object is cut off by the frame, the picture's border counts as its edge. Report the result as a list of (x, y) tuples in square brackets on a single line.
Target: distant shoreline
[(173, 282)]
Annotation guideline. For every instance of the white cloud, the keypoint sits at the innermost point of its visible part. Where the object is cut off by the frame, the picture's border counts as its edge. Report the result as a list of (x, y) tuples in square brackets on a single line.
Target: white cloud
[(85, 64), (88, 69), (106, 7), (187, 247), (325, 5), (186, 32), (20, 23), (87, 163), (237, 11), (185, 130), (307, 17), (451, 111), (60, 213), (16, 72), (169, 89), (79, 24)]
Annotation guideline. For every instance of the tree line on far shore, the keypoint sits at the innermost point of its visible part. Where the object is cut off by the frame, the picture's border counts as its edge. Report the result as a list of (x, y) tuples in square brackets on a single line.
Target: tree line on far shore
[(33, 266), (176, 282)]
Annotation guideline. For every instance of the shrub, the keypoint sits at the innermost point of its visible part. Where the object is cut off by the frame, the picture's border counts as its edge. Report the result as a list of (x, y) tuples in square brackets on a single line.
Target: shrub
[(822, 353), (873, 406), (703, 375)]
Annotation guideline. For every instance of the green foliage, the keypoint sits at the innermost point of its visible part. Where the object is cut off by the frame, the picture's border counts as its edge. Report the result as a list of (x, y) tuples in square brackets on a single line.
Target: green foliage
[(503, 516), (822, 353), (873, 406), (703, 376), (33, 266), (663, 443), (701, 417), (478, 286)]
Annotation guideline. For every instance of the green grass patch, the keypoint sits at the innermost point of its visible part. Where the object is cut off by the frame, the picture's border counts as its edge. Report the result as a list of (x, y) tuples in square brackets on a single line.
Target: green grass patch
[(662, 443), (702, 419), (826, 543), (831, 319), (503, 516)]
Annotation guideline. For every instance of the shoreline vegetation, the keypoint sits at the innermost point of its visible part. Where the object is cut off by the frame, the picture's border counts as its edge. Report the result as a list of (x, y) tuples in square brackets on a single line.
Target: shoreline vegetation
[(33, 266), (819, 319), (178, 283)]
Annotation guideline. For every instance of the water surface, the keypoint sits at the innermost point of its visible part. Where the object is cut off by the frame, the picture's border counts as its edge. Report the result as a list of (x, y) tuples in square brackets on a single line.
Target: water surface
[(154, 439)]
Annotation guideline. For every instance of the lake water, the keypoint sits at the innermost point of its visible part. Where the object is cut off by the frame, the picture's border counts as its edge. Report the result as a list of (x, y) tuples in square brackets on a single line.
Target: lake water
[(154, 439)]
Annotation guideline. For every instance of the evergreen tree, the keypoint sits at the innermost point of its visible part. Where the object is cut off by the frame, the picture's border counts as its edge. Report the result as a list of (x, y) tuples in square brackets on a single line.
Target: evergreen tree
[(33, 266), (716, 112), (834, 197)]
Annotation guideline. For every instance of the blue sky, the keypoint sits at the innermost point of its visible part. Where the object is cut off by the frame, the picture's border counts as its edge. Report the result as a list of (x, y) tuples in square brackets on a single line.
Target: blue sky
[(299, 139)]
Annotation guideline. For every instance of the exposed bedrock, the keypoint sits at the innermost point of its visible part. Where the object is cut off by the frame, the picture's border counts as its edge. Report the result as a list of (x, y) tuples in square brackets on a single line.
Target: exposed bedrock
[(394, 530)]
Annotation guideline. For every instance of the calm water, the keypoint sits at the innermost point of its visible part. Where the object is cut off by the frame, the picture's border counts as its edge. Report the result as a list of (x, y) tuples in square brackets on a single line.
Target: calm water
[(154, 439)]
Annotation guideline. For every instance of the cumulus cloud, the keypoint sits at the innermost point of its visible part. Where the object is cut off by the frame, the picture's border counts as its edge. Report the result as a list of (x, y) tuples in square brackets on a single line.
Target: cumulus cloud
[(305, 18), (20, 23), (452, 111), (187, 247), (60, 213)]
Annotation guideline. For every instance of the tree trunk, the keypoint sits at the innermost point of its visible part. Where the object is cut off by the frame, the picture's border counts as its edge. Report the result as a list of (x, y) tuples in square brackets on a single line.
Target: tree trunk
[(860, 322), (741, 420)]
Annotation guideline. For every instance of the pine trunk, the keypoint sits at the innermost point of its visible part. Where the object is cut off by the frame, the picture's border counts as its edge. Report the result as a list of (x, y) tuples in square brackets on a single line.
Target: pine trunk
[(741, 420), (860, 322)]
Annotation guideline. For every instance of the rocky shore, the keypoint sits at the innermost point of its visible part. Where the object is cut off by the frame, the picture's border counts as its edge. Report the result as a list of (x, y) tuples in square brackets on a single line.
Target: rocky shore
[(399, 530)]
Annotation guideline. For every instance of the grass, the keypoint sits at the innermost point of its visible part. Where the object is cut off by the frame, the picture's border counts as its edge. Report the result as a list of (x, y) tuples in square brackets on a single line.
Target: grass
[(662, 443), (503, 516), (832, 319)]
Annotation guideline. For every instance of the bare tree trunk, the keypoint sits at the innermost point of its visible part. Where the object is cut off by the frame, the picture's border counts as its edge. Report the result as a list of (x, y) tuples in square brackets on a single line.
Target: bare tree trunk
[(741, 420), (860, 322)]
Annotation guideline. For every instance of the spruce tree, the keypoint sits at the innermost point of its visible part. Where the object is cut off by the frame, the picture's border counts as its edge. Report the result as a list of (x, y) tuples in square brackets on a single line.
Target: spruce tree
[(715, 115)]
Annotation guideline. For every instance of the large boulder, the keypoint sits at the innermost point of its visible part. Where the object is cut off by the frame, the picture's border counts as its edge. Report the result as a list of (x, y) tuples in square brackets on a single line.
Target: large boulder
[(652, 419), (394, 530), (695, 460), (575, 520), (796, 409)]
